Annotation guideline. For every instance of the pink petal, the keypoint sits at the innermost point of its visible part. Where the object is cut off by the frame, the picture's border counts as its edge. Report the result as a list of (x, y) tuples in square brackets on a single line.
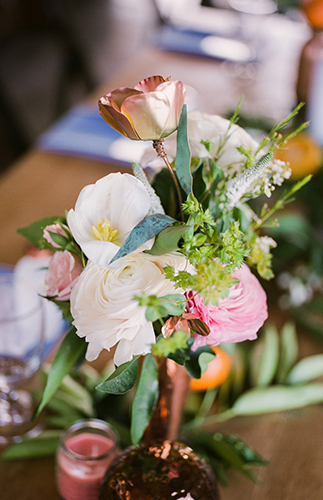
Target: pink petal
[(114, 117), (149, 84)]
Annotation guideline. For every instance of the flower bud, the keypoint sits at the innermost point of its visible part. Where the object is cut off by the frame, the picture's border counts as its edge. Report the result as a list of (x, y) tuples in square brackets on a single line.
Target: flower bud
[(149, 111)]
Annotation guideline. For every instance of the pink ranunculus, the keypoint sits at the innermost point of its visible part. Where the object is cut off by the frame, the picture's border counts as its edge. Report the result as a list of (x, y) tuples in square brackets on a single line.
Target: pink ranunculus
[(236, 318), (63, 272), (56, 229), (148, 112)]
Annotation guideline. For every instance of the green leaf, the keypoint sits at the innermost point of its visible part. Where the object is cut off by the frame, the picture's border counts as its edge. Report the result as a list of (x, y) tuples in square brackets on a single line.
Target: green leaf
[(146, 229), (167, 240), (193, 365), (43, 445), (289, 351), (265, 356), (306, 369), (122, 380), (69, 352), (145, 399), (204, 359), (172, 347), (168, 305), (183, 154), (34, 232), (277, 398)]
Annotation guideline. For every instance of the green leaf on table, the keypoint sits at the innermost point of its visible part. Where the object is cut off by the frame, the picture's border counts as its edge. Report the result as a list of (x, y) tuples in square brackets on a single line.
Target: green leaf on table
[(307, 369), (288, 351), (34, 232), (43, 445), (167, 240), (145, 399), (70, 351), (277, 398), (265, 357), (183, 154), (122, 380), (146, 229)]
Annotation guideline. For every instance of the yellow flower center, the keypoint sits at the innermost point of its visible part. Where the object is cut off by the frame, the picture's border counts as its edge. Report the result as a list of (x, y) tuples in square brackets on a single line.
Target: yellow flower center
[(104, 231)]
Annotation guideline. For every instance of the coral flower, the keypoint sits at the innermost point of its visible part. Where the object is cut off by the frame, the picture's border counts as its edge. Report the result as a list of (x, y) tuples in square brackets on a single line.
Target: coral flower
[(149, 111)]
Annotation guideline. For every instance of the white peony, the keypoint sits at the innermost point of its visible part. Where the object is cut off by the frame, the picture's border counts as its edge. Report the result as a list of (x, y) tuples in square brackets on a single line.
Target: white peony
[(213, 128), (105, 213), (104, 309)]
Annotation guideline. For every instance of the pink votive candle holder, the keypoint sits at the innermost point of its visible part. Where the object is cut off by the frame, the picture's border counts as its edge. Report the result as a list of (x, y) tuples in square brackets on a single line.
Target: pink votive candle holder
[(86, 451)]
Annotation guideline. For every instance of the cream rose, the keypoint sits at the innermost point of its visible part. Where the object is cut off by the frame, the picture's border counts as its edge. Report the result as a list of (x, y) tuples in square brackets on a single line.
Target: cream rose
[(105, 213), (105, 311)]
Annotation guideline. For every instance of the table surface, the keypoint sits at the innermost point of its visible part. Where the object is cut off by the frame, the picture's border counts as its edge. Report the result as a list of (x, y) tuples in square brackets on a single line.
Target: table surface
[(42, 184)]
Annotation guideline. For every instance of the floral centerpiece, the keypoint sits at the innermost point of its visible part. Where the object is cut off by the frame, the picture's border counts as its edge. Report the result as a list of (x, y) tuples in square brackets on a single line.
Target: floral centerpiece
[(157, 265)]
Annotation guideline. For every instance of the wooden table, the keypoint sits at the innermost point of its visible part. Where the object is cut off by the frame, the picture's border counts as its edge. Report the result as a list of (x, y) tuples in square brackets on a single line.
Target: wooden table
[(42, 184)]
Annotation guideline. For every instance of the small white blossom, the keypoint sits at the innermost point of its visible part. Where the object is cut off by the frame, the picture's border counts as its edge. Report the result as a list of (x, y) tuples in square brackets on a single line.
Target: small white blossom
[(265, 243)]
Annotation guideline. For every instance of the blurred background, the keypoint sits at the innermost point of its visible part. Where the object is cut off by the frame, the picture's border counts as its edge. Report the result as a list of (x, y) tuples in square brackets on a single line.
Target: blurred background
[(53, 53)]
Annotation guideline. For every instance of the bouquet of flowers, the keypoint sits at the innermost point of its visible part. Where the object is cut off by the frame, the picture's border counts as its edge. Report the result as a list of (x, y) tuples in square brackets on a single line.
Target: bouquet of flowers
[(157, 265)]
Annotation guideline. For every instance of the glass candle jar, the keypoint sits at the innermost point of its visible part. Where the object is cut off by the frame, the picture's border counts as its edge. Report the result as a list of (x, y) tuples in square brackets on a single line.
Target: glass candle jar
[(86, 451)]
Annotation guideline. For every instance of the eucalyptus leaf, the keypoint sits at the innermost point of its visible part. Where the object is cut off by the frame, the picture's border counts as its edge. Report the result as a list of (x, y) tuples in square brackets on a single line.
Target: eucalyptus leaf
[(183, 154), (145, 398), (34, 232), (167, 240), (277, 398), (123, 379), (69, 352), (43, 445), (289, 351), (307, 369), (146, 229)]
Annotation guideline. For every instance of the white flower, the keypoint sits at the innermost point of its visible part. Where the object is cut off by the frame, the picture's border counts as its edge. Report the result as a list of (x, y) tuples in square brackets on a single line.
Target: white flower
[(212, 128), (265, 243), (105, 213), (105, 311)]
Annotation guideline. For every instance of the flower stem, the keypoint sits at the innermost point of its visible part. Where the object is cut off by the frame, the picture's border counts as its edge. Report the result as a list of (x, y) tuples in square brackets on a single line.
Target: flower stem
[(160, 150)]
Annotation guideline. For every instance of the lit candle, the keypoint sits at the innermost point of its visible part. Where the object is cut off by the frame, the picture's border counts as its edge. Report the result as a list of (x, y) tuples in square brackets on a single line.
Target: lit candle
[(87, 449)]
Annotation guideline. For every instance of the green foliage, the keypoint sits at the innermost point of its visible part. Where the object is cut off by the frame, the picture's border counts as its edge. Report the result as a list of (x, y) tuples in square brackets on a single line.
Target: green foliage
[(69, 353), (145, 398), (183, 154), (167, 240), (34, 232), (159, 307), (123, 379), (226, 452), (167, 346), (146, 229)]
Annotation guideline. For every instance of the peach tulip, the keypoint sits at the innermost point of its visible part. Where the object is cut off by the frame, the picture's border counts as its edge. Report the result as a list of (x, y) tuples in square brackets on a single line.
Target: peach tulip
[(149, 111)]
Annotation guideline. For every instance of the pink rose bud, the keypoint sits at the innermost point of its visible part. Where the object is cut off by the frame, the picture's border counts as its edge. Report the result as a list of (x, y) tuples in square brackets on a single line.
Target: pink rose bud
[(62, 274), (149, 111), (236, 318), (56, 229)]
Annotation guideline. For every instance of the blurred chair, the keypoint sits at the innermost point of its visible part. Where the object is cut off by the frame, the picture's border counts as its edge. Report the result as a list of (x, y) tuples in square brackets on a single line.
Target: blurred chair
[(40, 20)]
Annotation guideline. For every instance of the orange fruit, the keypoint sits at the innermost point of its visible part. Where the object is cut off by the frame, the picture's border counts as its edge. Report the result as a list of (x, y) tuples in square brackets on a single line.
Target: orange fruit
[(303, 154), (313, 9), (216, 373)]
